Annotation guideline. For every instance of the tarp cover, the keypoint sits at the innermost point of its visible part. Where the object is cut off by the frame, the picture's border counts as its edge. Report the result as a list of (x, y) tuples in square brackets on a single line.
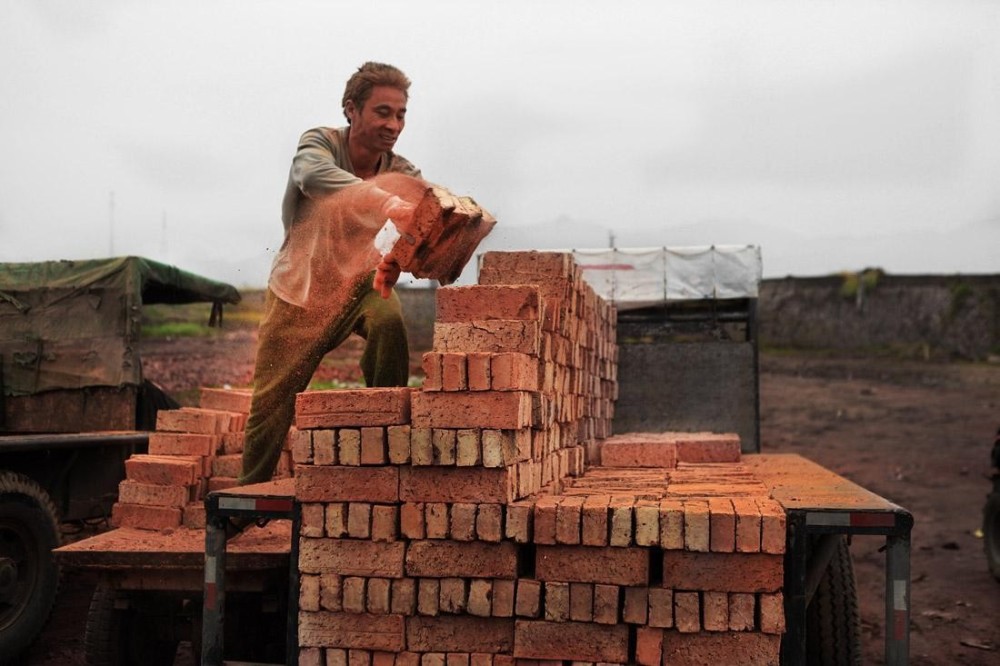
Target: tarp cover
[(73, 324), (643, 277)]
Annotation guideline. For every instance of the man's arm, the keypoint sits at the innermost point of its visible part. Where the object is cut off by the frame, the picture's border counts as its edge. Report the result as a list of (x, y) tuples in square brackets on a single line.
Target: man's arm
[(316, 167)]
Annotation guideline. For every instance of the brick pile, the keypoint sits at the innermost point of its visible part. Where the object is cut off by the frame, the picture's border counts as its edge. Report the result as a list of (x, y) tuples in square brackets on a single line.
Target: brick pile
[(194, 450), (457, 524)]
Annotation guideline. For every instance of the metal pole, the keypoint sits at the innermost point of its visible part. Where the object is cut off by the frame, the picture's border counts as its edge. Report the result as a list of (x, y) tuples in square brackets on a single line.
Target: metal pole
[(213, 618), (897, 600)]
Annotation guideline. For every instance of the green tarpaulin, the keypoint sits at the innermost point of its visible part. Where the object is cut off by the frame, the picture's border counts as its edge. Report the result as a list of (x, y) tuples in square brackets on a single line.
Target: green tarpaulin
[(73, 324)]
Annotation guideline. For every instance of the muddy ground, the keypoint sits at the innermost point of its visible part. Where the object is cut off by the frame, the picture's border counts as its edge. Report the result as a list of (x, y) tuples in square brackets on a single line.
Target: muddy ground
[(916, 433)]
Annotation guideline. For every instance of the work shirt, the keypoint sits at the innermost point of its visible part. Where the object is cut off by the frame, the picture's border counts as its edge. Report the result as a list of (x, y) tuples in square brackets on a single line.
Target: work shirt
[(330, 217)]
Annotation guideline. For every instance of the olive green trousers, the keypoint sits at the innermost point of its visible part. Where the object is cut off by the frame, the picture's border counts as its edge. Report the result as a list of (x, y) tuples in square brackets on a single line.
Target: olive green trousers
[(291, 345)]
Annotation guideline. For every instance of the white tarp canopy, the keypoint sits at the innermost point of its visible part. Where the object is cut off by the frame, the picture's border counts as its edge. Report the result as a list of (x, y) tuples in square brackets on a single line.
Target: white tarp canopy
[(643, 277)]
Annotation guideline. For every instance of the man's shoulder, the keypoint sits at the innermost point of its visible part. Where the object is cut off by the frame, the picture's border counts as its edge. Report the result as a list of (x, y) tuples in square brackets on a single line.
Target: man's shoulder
[(331, 135), (399, 164)]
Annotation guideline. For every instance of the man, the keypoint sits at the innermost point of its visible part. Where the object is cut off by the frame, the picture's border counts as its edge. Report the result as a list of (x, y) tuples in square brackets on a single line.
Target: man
[(323, 285)]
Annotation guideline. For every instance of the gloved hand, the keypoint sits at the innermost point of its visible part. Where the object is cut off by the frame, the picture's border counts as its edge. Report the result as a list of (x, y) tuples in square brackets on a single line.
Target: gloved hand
[(386, 274)]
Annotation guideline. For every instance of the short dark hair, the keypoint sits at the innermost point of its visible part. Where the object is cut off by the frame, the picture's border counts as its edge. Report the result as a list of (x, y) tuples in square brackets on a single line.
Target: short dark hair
[(371, 74)]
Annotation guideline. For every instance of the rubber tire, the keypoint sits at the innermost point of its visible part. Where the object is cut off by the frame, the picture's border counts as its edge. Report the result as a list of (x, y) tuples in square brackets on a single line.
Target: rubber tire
[(833, 622), (29, 531), (121, 637), (991, 532)]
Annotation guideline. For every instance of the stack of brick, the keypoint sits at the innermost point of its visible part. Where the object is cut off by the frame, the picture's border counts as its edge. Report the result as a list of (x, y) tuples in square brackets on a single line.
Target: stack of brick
[(194, 450), (428, 537)]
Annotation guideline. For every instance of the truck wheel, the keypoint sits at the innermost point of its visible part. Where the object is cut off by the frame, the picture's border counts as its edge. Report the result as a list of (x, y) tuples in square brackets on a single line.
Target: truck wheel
[(833, 623), (29, 577), (119, 636), (991, 532)]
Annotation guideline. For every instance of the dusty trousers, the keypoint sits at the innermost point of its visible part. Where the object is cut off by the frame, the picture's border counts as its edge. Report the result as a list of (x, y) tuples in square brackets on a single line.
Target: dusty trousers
[(291, 345)]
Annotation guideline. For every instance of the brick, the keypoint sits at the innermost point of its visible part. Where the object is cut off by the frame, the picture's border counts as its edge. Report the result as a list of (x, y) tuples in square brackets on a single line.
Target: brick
[(432, 659), (463, 521), (373, 446), (518, 526), (336, 520), (621, 521), (545, 518), (661, 607), (353, 588), (697, 532), (772, 613), (383, 659), (606, 604), (481, 302), (467, 448), (504, 593), (403, 596), (399, 444), (715, 611), (411, 520), (324, 446), (489, 522), (221, 483), (446, 484), (479, 409), (352, 408), (437, 520), (742, 608), (454, 375), (528, 602), (568, 520), (570, 641), (349, 630), (428, 596), (443, 441), (638, 453), (228, 400), (708, 448), (349, 447), (513, 371), (459, 634), (452, 595), (359, 520), (227, 465), (494, 336), (505, 447), (347, 484), (595, 520), (748, 525), (647, 523), (331, 592), (231, 442), (402, 659), (193, 516), (456, 659), (421, 446), (636, 606), (431, 364), (722, 572), (351, 557), (162, 470), (581, 602), (648, 646), (473, 559), (313, 520), (385, 522), (145, 517), (480, 598), (132, 492), (615, 566), (772, 526), (722, 525), (556, 602), (744, 648), (687, 613), (208, 422), (311, 657), (181, 444), (478, 369)]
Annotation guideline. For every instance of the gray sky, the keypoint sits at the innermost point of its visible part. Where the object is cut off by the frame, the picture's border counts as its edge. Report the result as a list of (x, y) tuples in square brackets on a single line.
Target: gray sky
[(835, 135)]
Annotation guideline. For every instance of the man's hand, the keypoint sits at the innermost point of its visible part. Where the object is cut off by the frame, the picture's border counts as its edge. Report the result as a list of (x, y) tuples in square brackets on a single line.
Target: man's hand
[(386, 274)]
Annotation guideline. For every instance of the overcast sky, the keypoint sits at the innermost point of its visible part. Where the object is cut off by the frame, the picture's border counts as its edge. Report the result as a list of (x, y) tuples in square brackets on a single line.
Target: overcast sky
[(835, 135)]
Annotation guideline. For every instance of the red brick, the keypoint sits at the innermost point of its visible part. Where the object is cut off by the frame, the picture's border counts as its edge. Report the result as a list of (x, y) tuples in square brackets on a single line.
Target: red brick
[(352, 408), (748, 525), (181, 444), (352, 557), (433, 377), (722, 522), (636, 606), (421, 446), (708, 448), (404, 596), (529, 598), (556, 602), (313, 520), (648, 646), (162, 470), (722, 572), (742, 608), (528, 267), (546, 512), (385, 522), (454, 374), (518, 526), (647, 523), (347, 484), (581, 602), (715, 611), (229, 400), (606, 604), (572, 641), (350, 630), (145, 517), (637, 453), (480, 595), (221, 483), (480, 409), (359, 520), (231, 442), (697, 531), (621, 521), (568, 514), (459, 634), (349, 446), (354, 594), (661, 607), (494, 336), (194, 516), (437, 520), (489, 519), (228, 465), (373, 446), (335, 521), (453, 484), (382, 659), (411, 520), (504, 591), (467, 448), (772, 526), (472, 559), (687, 614), (452, 595), (478, 369), (131, 492), (482, 302), (399, 444), (512, 371), (428, 596), (615, 566), (207, 422), (443, 441), (772, 613), (595, 520), (745, 648), (462, 521), (311, 657)]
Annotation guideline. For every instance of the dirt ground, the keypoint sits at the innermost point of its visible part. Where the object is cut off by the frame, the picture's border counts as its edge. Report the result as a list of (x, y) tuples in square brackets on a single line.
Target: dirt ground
[(916, 433)]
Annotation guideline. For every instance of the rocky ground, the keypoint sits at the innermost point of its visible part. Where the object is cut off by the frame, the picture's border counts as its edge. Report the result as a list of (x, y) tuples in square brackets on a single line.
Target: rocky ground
[(916, 433)]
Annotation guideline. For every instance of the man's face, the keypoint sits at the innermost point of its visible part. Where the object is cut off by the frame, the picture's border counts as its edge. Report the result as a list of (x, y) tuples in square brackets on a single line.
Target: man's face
[(377, 124)]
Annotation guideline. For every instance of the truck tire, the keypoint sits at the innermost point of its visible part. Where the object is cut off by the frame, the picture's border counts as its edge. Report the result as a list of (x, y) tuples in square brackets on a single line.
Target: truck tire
[(119, 632), (29, 577), (833, 623), (991, 532)]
